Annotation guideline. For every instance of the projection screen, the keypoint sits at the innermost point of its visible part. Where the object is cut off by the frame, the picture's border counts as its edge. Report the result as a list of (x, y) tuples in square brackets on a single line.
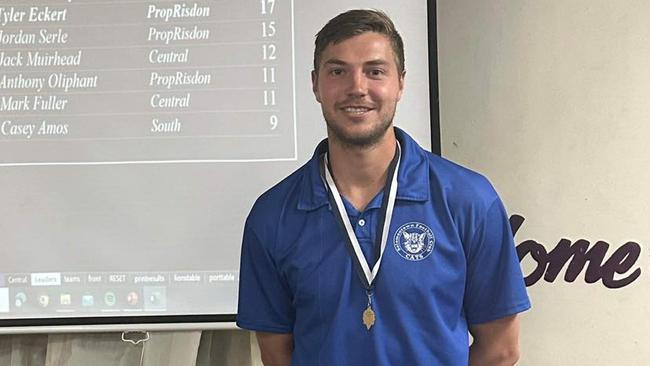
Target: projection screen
[(135, 137)]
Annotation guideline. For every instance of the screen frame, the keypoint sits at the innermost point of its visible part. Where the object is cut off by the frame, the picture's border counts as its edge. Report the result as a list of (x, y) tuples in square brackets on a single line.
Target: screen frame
[(210, 321)]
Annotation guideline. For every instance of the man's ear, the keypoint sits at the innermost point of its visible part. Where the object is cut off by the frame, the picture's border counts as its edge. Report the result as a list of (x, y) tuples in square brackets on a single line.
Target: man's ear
[(314, 84), (401, 85)]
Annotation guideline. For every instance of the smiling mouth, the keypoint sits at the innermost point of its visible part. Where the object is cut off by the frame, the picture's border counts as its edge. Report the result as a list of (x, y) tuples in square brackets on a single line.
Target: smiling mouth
[(356, 110)]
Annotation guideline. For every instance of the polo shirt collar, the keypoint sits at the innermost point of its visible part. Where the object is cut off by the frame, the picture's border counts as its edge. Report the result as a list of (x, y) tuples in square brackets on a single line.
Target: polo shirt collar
[(412, 177)]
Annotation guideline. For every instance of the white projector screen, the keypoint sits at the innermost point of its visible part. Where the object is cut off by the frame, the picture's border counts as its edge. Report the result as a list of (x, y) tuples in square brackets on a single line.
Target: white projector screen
[(135, 137)]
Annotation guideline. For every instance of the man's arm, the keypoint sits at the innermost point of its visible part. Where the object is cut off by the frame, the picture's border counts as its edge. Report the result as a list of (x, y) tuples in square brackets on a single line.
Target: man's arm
[(276, 348), (496, 343)]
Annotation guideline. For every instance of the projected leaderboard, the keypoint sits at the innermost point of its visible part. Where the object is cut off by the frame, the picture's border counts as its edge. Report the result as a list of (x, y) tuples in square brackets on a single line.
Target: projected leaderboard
[(146, 81)]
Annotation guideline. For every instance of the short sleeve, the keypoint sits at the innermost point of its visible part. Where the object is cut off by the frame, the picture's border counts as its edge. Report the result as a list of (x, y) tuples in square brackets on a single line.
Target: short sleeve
[(495, 286), (264, 298)]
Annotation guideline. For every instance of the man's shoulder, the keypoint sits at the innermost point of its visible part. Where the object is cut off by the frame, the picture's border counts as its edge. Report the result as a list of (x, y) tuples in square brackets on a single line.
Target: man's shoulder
[(460, 182), (448, 180), (284, 194)]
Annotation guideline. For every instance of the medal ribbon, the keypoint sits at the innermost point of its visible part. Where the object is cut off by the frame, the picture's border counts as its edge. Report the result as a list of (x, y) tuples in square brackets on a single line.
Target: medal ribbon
[(366, 276)]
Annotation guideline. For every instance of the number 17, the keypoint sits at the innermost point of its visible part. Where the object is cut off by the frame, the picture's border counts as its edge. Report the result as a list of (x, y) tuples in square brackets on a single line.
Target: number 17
[(268, 6)]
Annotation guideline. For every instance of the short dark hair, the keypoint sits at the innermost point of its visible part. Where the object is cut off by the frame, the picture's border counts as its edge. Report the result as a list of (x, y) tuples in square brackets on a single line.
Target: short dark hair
[(353, 23)]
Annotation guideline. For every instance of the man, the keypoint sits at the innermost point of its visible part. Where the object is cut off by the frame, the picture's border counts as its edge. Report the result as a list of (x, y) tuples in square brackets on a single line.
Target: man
[(376, 252)]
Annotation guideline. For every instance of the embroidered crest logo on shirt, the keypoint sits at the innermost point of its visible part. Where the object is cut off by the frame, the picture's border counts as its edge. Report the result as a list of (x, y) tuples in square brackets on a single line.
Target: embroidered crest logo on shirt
[(414, 241)]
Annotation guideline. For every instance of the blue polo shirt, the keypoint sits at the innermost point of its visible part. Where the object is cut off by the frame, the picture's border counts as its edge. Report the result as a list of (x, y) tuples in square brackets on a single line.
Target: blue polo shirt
[(450, 262)]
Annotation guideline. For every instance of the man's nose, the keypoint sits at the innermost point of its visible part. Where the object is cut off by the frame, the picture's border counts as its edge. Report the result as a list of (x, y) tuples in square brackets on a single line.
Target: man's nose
[(358, 84)]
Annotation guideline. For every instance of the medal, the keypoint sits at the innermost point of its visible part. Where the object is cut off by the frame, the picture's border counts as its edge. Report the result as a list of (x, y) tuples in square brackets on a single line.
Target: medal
[(368, 316), (365, 274)]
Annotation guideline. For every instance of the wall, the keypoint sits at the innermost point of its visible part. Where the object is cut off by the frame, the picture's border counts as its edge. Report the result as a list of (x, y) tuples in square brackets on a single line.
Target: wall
[(549, 99)]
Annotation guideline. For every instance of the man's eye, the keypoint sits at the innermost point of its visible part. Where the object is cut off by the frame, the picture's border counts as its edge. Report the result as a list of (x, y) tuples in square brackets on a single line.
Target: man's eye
[(336, 71), (377, 72)]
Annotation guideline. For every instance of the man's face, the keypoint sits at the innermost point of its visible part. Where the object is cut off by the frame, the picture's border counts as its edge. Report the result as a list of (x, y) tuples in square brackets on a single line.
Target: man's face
[(358, 86)]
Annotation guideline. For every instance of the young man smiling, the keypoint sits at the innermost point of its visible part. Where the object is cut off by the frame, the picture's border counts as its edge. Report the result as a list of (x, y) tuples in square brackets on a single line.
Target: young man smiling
[(375, 251)]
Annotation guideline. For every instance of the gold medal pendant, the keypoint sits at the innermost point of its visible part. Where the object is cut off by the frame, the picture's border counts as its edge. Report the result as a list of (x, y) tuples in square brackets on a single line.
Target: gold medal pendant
[(368, 317)]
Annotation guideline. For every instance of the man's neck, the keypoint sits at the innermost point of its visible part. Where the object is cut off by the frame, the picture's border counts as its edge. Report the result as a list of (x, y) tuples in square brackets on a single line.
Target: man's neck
[(360, 172)]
